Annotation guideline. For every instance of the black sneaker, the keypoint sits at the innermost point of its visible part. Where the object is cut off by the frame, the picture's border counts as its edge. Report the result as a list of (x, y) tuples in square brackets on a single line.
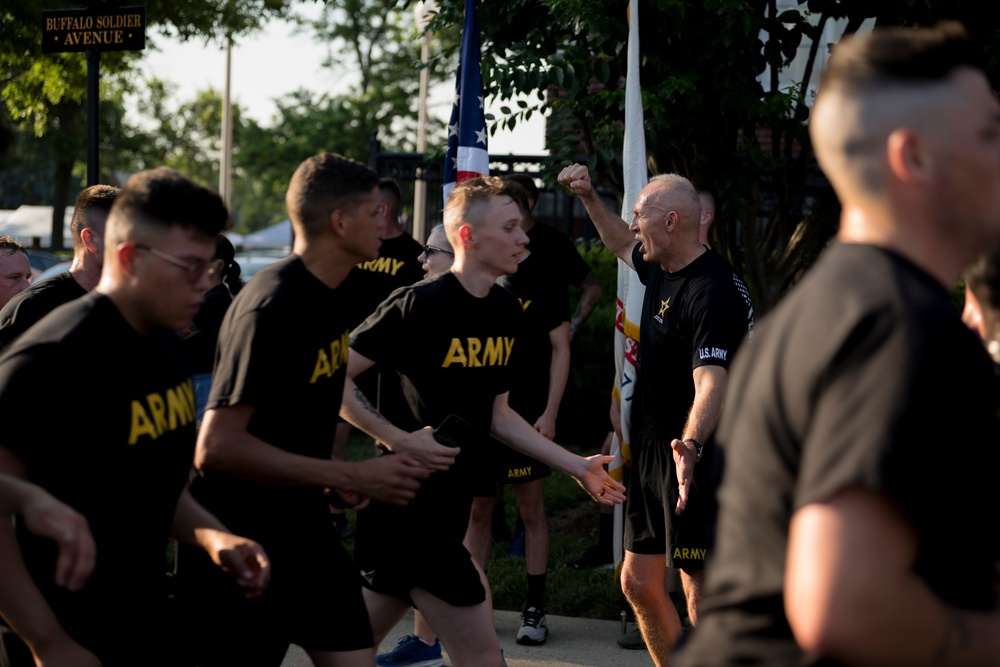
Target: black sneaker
[(593, 557)]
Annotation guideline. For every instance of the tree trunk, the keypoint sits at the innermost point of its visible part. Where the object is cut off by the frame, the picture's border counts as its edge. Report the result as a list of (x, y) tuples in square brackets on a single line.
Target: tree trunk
[(60, 199)]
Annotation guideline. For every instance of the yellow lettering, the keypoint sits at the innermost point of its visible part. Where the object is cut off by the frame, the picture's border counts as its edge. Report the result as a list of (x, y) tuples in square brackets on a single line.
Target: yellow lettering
[(322, 367), (677, 553), (474, 346), (456, 355), (158, 408), (50, 24), (180, 406), (345, 346), (396, 264), (72, 38), (509, 345), (524, 304), (141, 425), (493, 354), (684, 553)]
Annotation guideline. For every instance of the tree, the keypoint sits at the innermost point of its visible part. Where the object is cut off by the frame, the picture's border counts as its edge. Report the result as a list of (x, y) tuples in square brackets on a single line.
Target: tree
[(707, 113), (47, 92)]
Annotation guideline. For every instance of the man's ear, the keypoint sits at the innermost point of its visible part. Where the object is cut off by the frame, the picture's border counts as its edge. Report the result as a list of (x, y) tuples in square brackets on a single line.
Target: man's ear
[(338, 222), (466, 236), (89, 239), (126, 253), (907, 156)]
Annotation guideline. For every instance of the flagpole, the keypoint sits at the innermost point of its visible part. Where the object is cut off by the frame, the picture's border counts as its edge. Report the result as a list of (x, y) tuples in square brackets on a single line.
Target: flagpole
[(422, 11)]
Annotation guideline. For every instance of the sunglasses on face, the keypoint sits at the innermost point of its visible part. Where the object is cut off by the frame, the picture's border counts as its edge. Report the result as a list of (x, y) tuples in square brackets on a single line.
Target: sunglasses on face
[(429, 250)]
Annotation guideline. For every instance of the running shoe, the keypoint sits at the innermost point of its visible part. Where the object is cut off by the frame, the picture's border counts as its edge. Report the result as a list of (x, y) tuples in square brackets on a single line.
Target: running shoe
[(534, 630), (411, 651)]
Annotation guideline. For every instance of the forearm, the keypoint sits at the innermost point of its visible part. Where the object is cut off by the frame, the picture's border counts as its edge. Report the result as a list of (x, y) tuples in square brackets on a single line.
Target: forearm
[(22, 604), (15, 494), (588, 301), (192, 522), (510, 428), (709, 395), (558, 368), (357, 410), (614, 231), (229, 448)]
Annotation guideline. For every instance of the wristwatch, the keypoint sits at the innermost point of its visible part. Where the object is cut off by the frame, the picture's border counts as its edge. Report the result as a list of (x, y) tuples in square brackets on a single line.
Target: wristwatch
[(697, 445)]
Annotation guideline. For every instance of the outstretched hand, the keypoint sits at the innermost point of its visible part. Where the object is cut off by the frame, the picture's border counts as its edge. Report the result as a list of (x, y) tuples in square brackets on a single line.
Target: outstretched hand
[(596, 481), (47, 517), (576, 177), (685, 458)]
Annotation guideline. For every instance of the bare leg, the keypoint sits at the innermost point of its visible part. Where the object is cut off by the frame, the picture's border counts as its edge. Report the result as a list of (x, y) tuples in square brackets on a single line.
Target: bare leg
[(384, 612), (422, 628), (642, 582), (478, 534), (467, 632), (536, 526), (364, 658), (691, 580)]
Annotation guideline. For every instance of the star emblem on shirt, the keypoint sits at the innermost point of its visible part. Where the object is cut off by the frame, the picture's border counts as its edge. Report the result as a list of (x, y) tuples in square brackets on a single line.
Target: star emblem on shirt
[(664, 305)]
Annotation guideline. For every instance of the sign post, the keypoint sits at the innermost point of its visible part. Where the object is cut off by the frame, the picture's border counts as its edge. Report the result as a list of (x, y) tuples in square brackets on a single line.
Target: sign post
[(103, 26)]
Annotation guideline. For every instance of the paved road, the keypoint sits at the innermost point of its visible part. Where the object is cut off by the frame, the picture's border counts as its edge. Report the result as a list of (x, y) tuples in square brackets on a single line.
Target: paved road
[(573, 642)]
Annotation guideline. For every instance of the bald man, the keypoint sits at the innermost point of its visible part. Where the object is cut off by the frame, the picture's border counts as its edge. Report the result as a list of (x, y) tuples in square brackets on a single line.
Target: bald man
[(695, 313), (860, 430)]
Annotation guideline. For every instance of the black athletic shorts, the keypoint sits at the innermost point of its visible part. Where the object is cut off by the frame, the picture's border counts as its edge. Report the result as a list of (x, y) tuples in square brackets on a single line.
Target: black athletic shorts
[(513, 467), (651, 527), (314, 599), (394, 555)]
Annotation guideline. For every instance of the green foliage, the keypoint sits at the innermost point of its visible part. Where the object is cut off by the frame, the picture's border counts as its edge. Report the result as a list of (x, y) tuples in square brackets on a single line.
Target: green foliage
[(706, 113), (583, 415)]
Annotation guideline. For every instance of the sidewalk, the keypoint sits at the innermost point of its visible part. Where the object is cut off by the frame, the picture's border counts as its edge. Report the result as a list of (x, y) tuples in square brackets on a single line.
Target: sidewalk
[(573, 642)]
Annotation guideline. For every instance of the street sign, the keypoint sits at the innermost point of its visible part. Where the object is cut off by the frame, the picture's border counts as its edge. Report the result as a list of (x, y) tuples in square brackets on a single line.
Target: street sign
[(100, 29)]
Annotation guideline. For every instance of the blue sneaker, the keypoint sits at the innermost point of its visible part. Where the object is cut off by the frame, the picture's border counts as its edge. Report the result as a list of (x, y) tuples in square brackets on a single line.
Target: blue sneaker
[(411, 651)]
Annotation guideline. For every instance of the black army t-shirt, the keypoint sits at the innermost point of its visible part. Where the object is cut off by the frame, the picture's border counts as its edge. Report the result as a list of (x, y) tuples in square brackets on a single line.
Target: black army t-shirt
[(116, 446), (545, 302), (34, 303), (559, 253), (369, 283), (453, 352), (857, 380), (282, 348), (697, 316)]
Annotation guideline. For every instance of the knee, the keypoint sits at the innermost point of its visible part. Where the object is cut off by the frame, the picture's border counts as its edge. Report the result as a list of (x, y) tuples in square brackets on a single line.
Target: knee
[(533, 514), (641, 587), (482, 510)]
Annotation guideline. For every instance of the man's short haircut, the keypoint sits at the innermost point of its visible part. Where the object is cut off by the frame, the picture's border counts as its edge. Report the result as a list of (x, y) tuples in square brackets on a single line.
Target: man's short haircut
[(520, 196), (684, 198), (899, 55), (8, 246), (469, 197), (322, 184), (391, 187), (982, 278), (163, 198), (526, 182), (93, 203)]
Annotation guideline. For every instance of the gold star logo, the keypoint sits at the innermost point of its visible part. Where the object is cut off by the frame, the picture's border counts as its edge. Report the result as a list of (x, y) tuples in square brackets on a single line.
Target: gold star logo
[(664, 305)]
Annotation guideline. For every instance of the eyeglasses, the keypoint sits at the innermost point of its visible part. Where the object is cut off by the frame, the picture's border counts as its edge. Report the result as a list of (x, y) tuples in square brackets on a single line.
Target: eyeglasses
[(194, 270), (431, 249)]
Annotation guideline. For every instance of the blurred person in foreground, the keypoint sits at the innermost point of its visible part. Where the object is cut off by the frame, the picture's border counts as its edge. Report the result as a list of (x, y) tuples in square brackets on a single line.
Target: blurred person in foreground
[(15, 271), (860, 432)]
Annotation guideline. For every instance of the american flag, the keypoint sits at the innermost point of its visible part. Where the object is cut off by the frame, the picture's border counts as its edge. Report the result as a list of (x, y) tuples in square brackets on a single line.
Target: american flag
[(467, 155)]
